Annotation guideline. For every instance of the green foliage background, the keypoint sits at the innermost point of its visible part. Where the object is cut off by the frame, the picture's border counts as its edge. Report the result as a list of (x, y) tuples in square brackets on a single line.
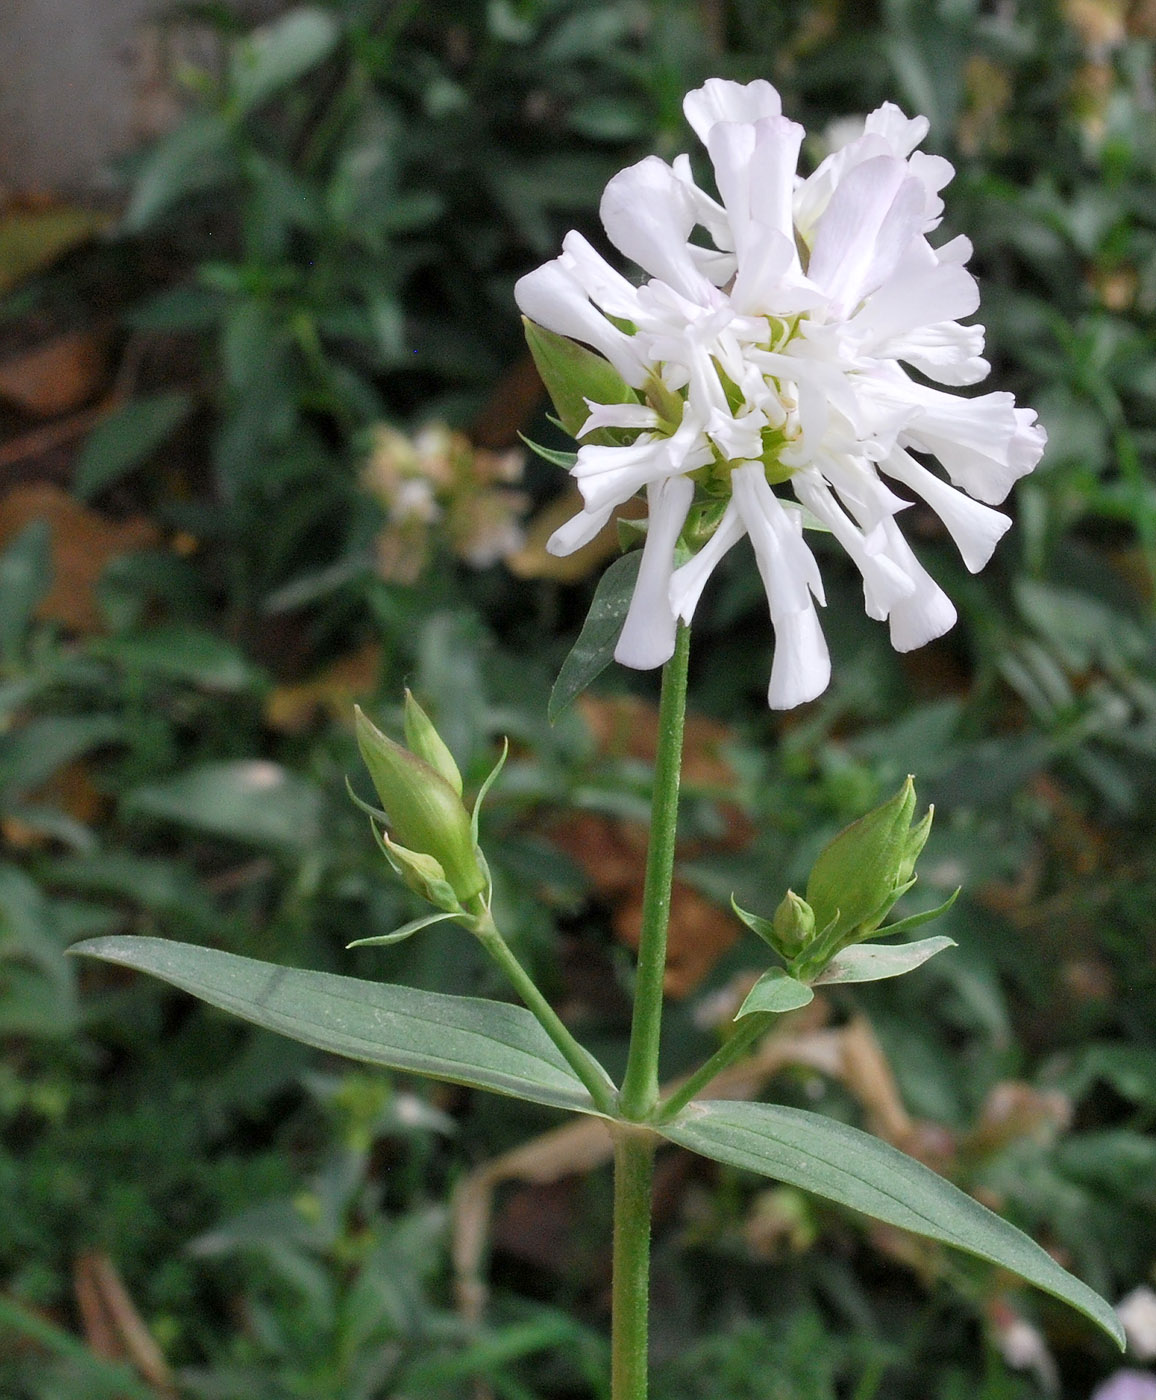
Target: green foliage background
[(327, 241)]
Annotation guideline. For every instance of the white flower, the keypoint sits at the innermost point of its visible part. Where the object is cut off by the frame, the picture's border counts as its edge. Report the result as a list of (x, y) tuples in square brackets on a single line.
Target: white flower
[(773, 372)]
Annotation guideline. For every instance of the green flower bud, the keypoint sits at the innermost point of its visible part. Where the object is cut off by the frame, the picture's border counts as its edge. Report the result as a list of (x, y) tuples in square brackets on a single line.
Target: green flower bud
[(857, 876), (425, 813), (422, 874), (794, 925), (424, 740)]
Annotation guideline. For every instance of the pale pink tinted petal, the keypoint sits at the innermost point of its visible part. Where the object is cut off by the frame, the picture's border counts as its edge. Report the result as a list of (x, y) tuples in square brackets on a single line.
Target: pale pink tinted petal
[(902, 133), (647, 638), (845, 239), (720, 100)]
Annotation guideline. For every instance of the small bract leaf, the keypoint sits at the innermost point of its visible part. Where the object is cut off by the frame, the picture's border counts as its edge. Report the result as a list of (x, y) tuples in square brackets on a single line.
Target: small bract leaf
[(399, 935), (776, 991), (758, 925), (915, 920), (874, 962), (572, 374)]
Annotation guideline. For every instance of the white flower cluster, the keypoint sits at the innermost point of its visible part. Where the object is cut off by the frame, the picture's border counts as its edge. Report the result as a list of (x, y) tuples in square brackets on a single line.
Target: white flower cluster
[(776, 358)]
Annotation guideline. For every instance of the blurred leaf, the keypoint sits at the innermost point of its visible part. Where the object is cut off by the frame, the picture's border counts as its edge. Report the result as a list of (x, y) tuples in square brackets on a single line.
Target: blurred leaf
[(25, 577), (594, 649), (466, 1040), (127, 437), (183, 654), (251, 800), (32, 239), (194, 156), (34, 752), (854, 1169), (275, 56)]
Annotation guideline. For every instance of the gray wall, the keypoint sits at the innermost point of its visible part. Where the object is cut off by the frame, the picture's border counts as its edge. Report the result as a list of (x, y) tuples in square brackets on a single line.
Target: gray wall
[(83, 81)]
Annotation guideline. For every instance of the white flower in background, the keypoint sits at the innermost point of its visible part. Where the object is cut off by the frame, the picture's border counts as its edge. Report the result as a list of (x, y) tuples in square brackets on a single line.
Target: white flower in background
[(1137, 1314), (772, 375)]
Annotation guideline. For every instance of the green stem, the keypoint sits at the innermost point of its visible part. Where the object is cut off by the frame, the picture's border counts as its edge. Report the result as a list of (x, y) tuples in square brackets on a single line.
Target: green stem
[(633, 1172), (640, 1085), (733, 1048), (598, 1083)]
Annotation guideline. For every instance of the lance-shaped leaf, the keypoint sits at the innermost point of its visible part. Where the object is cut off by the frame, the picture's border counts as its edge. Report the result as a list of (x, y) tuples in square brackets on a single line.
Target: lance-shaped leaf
[(855, 1169), (594, 649), (874, 962), (466, 1040)]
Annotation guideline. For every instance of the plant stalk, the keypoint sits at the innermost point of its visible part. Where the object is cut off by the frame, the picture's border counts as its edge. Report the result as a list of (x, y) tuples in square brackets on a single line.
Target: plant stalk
[(595, 1079), (745, 1033), (640, 1085), (633, 1174)]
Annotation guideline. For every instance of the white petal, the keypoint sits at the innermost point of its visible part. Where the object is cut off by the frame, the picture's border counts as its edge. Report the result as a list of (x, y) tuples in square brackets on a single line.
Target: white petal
[(580, 529), (550, 296), (711, 215), (647, 638), (777, 537), (755, 171), (869, 224), (618, 415), (601, 282), (902, 133), (976, 529), (914, 297), (607, 476), (648, 215), (986, 444), (688, 582), (801, 667), (720, 100), (927, 612), (885, 583)]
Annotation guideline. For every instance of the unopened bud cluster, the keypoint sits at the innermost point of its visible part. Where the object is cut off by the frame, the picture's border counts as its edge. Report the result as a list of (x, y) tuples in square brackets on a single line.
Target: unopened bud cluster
[(430, 842), (853, 884)]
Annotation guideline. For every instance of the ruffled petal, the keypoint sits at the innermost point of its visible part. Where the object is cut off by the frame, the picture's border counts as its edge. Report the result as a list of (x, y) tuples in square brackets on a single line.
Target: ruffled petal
[(720, 100), (551, 297), (648, 215)]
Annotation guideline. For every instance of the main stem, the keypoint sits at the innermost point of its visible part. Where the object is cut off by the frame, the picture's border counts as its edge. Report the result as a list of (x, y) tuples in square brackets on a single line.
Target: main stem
[(633, 1171), (634, 1147), (640, 1085)]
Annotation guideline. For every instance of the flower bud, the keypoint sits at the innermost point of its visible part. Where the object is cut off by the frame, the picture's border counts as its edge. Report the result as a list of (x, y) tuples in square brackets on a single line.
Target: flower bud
[(425, 813), (794, 925), (424, 740), (859, 875)]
